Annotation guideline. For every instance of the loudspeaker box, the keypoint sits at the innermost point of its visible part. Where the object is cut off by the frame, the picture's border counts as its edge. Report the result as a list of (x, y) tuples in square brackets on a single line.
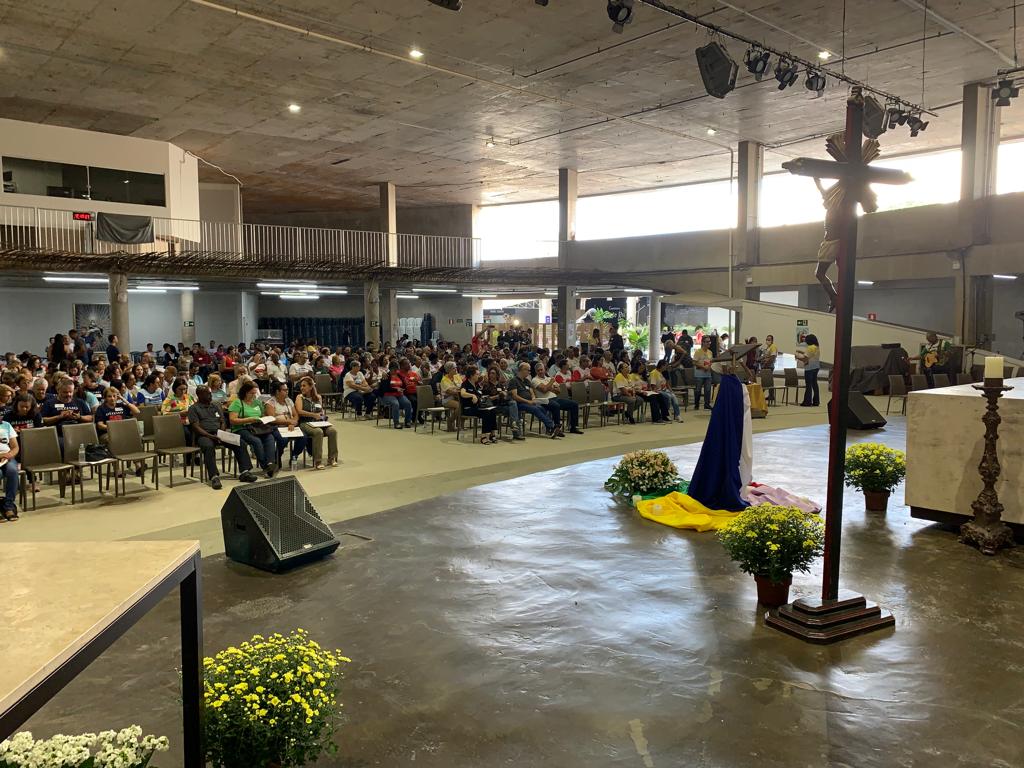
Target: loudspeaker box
[(717, 69), (274, 526), (861, 414)]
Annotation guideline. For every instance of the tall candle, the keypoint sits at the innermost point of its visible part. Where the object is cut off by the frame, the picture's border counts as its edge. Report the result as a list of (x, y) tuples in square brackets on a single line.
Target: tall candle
[(993, 367)]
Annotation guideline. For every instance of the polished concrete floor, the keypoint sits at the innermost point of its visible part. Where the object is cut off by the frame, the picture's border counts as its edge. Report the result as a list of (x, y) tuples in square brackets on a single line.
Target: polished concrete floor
[(535, 622)]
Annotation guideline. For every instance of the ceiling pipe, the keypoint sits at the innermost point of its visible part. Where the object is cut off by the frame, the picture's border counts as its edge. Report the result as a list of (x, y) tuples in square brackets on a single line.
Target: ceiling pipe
[(954, 27)]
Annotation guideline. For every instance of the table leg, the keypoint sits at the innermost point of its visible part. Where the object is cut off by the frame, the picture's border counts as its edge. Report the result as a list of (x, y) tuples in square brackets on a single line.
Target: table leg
[(192, 667)]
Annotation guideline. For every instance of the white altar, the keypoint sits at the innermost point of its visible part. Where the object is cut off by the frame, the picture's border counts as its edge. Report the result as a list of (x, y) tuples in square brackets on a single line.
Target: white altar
[(945, 439)]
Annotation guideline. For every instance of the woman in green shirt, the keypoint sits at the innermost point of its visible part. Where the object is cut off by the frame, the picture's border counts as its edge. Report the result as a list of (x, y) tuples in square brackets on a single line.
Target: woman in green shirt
[(245, 416)]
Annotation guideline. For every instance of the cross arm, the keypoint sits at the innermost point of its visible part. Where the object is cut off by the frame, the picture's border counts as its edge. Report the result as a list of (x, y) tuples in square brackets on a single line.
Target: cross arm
[(828, 169)]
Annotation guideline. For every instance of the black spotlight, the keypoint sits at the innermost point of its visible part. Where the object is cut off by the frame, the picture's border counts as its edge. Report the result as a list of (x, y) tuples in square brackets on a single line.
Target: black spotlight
[(449, 5), (786, 73), (1003, 92), (815, 82), (717, 69), (757, 62), (892, 115), (621, 13), (916, 125), (875, 118)]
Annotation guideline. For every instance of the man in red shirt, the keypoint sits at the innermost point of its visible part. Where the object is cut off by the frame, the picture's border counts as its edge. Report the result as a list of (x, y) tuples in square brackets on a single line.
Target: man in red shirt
[(410, 380)]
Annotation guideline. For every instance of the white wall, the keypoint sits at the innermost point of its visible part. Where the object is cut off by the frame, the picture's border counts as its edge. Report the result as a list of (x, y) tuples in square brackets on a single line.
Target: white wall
[(220, 202), (69, 145), (1008, 299), (34, 315)]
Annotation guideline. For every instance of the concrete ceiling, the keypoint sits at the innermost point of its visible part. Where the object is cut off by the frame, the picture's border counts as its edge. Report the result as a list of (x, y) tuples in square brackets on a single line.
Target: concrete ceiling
[(553, 87)]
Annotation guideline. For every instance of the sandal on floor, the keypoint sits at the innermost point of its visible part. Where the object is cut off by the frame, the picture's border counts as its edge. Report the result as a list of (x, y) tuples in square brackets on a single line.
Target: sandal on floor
[(319, 466), (333, 463), (9, 515), (485, 441)]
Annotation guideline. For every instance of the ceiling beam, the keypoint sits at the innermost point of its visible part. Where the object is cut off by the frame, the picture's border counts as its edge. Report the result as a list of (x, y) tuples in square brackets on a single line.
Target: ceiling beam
[(954, 27)]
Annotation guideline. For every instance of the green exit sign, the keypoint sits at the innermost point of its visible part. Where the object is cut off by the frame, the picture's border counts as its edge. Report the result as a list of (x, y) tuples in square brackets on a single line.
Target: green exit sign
[(189, 324)]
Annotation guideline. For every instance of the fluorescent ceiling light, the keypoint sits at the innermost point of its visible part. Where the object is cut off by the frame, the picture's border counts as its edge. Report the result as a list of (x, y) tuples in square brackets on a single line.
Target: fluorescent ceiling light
[(479, 295), (638, 290), (865, 282), (76, 280), (146, 290), (332, 291), (416, 53), (289, 286), (1005, 277), (158, 286), (294, 109), (434, 290), (550, 293), (299, 296), (405, 296)]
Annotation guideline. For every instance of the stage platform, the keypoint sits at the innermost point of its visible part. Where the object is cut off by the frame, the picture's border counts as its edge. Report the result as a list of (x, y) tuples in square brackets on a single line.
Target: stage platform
[(535, 622)]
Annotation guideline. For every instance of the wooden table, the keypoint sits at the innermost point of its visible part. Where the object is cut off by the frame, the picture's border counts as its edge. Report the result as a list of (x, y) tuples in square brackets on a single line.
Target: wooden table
[(66, 603)]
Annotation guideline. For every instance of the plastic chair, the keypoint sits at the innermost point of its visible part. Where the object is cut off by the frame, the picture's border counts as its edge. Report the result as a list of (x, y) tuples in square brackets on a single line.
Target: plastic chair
[(325, 386), (40, 453), (425, 403), (146, 414), (125, 444), (941, 380), (579, 395), (85, 434), (963, 378), (769, 386), (918, 381), (897, 389), (169, 441), (790, 380)]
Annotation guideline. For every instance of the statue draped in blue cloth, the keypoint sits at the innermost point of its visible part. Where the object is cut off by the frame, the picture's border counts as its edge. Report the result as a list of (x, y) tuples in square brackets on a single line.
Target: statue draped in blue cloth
[(716, 479)]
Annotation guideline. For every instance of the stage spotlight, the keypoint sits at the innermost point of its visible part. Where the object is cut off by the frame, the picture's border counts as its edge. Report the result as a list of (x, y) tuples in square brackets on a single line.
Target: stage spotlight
[(786, 73), (717, 69), (892, 116), (1003, 92), (449, 5), (621, 13), (815, 82), (756, 62), (875, 122), (916, 125)]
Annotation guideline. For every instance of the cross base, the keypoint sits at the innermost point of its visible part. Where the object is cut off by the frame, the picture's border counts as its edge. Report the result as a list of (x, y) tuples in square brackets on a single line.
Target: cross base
[(989, 538), (818, 621)]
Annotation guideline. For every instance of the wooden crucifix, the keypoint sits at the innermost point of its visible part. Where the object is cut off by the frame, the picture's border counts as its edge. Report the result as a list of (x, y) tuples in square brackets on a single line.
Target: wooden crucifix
[(840, 614)]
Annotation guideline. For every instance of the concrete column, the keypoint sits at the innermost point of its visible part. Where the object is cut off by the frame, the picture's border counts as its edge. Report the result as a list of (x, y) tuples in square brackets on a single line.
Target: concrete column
[(371, 313), (389, 222), (746, 244), (188, 318), (389, 315), (654, 323), (117, 288), (566, 316)]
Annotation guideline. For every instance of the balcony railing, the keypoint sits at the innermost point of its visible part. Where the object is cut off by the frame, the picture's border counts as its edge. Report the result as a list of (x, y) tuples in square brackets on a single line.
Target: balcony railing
[(59, 231)]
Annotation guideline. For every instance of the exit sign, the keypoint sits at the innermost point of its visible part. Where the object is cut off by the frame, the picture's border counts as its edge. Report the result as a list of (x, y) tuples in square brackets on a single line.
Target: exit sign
[(189, 324)]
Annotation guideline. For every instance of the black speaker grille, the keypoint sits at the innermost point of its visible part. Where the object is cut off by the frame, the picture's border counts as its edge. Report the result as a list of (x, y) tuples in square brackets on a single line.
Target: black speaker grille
[(287, 518)]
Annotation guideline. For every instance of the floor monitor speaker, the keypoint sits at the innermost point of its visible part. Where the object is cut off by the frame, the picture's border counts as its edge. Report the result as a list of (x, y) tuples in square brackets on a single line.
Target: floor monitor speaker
[(861, 414), (274, 526)]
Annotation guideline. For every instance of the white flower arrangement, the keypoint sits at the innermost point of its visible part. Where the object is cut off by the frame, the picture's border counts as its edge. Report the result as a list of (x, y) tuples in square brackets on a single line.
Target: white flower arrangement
[(644, 472), (126, 748)]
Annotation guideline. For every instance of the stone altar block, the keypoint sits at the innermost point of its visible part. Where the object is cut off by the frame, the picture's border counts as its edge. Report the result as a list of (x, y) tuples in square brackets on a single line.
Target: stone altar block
[(945, 440)]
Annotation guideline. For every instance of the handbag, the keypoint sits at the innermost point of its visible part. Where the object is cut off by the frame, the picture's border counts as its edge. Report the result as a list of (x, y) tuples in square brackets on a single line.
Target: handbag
[(261, 429), (97, 452)]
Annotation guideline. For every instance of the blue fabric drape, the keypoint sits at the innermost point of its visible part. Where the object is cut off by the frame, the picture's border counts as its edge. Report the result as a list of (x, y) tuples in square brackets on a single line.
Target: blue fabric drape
[(716, 479)]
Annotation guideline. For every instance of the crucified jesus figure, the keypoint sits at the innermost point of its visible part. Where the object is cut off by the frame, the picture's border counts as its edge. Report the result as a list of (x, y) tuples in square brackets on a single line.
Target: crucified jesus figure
[(829, 248)]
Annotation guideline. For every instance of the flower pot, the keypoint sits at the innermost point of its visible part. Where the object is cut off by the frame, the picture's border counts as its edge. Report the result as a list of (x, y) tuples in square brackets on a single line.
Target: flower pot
[(772, 594), (876, 501)]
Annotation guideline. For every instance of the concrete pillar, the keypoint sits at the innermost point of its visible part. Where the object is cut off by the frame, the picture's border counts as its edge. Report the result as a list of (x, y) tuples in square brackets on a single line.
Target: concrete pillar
[(389, 222), (566, 316), (746, 243), (371, 313), (654, 323), (389, 315), (188, 318), (117, 288)]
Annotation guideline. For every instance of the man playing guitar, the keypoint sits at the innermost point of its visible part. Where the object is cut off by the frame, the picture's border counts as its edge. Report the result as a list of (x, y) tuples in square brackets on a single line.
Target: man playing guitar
[(934, 357)]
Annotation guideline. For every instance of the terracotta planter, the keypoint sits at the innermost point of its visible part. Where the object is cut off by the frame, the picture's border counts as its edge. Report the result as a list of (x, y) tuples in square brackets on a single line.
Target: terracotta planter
[(772, 594), (876, 501)]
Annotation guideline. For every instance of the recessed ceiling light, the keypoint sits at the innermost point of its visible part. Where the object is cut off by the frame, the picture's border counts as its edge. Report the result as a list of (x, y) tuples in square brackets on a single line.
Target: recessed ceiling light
[(416, 53), (712, 131), (294, 108), (1005, 277), (824, 55)]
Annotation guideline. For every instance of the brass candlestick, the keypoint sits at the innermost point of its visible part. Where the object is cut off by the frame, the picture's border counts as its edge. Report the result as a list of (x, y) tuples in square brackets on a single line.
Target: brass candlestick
[(987, 531)]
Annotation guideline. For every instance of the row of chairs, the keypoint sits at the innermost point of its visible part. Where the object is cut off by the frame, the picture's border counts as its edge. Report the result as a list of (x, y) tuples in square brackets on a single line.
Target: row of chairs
[(40, 454), (918, 381)]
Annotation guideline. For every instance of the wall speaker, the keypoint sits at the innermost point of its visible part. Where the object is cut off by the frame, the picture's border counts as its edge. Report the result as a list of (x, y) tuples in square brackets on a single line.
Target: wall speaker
[(274, 526), (717, 69), (861, 414)]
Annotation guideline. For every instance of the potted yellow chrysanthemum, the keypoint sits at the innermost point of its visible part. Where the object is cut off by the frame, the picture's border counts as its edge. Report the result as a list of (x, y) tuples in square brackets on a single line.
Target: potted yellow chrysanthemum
[(771, 543), (876, 470), (271, 702)]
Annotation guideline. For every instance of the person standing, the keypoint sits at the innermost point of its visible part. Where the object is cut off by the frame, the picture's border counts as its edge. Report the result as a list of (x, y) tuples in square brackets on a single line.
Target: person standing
[(702, 373), (811, 358)]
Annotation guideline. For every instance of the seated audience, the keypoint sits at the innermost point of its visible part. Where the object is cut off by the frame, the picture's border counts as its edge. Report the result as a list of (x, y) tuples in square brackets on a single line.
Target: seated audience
[(624, 392), (245, 415), (496, 388), (473, 405), (152, 392), (357, 390), (310, 407), (282, 408), (9, 469), (526, 400), (390, 390), (547, 392), (206, 419), (65, 408)]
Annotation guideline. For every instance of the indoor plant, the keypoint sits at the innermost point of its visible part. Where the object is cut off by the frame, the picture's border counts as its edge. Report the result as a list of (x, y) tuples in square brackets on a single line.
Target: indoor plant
[(271, 702), (771, 543), (875, 469), (643, 472), (126, 748)]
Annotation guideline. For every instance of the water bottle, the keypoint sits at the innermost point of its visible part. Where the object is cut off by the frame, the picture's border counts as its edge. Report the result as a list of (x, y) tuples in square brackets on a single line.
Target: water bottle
[(81, 453)]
